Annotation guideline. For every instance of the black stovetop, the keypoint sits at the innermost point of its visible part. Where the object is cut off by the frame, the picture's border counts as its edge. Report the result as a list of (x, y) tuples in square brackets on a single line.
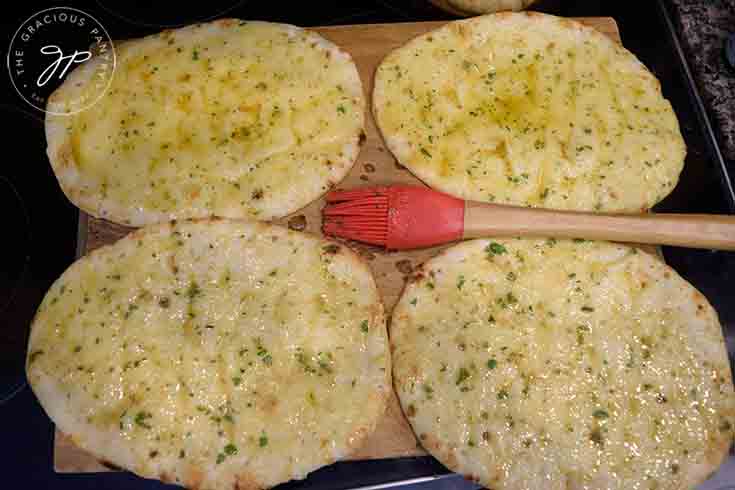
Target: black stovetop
[(41, 225)]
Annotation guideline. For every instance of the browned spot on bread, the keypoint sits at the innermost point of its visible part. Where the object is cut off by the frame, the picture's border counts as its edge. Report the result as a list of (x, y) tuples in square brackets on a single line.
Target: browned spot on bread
[(364, 178), (109, 465), (362, 139), (369, 168), (270, 402), (196, 476), (172, 264), (227, 22), (246, 481), (331, 249), (404, 266), (65, 156), (297, 223), (416, 277)]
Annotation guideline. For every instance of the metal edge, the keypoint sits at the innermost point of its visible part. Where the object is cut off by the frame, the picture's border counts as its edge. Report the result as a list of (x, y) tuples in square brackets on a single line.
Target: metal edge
[(82, 231), (82, 234), (700, 109), (409, 481)]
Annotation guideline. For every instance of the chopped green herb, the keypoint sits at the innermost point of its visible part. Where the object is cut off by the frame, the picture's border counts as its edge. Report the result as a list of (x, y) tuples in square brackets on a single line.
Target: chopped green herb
[(195, 55), (596, 436), (600, 414), (140, 419), (492, 364), (425, 152), (429, 391), (503, 394), (414, 301), (263, 353), (263, 441), (341, 109), (237, 380), (220, 458), (193, 291), (511, 276), (364, 326), (462, 375), (495, 249), (323, 360), (35, 355), (230, 449), (460, 281)]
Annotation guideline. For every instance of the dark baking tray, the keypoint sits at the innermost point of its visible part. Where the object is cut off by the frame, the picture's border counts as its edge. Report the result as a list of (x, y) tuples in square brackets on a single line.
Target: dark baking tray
[(705, 187)]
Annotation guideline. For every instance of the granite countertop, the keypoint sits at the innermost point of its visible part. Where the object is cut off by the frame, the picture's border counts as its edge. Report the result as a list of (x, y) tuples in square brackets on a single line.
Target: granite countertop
[(704, 25)]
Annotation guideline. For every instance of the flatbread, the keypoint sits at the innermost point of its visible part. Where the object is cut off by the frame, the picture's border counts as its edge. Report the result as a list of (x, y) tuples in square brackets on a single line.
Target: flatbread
[(228, 118), (490, 6), (214, 354), (529, 109), (550, 364)]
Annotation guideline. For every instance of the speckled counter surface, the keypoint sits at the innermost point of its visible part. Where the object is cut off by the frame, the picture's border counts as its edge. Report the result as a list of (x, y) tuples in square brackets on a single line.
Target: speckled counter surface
[(703, 27)]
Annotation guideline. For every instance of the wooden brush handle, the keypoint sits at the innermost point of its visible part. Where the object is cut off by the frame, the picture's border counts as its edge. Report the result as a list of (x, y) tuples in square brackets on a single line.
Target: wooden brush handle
[(483, 220)]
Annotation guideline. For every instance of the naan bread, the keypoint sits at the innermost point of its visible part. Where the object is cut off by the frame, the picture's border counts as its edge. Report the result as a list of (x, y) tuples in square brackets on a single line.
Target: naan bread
[(214, 354), (490, 6), (529, 109), (528, 364), (229, 118)]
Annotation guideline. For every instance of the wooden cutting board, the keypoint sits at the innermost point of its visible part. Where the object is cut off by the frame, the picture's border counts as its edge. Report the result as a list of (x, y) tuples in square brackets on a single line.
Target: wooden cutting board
[(367, 44)]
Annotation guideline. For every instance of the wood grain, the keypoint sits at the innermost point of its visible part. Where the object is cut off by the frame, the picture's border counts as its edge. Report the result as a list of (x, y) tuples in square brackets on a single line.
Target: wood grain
[(710, 231), (367, 44)]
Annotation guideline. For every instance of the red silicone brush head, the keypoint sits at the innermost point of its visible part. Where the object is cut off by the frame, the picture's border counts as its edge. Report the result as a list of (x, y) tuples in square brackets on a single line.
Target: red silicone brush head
[(397, 217)]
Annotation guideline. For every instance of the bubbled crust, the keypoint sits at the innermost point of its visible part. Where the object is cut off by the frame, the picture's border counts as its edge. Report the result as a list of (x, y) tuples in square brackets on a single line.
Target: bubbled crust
[(288, 410), (261, 159), (544, 363), (529, 109)]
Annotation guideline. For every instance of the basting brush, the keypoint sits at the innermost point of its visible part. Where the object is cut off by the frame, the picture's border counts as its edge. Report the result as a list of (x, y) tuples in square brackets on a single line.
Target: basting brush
[(402, 217)]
